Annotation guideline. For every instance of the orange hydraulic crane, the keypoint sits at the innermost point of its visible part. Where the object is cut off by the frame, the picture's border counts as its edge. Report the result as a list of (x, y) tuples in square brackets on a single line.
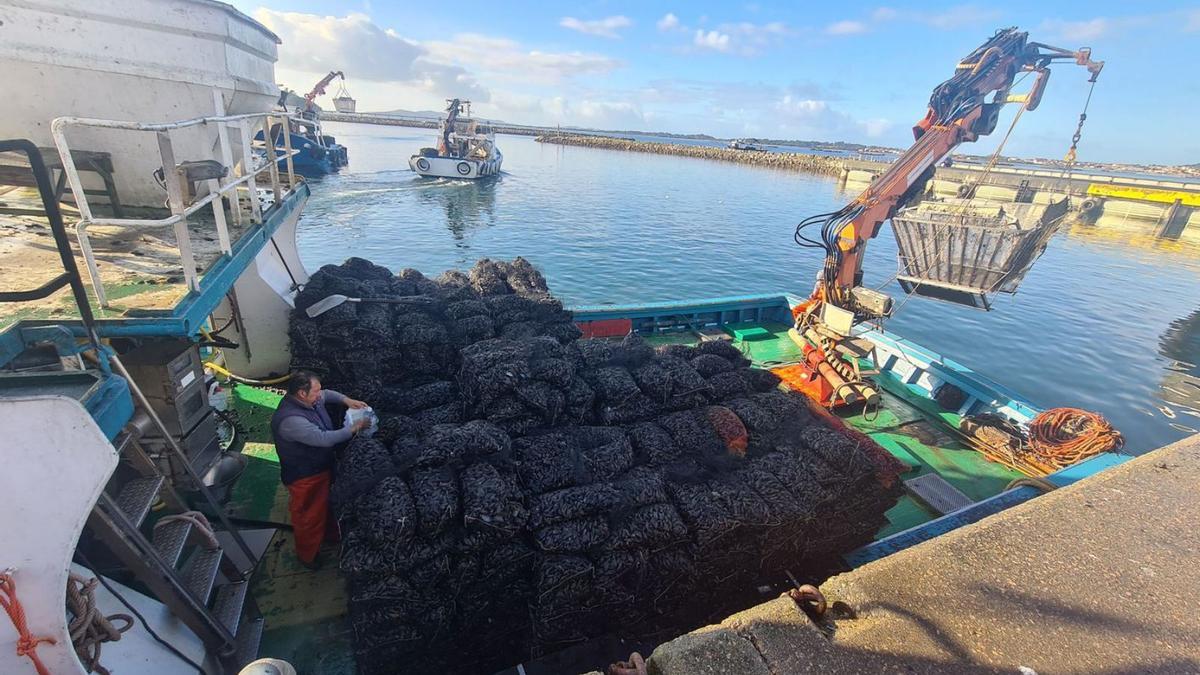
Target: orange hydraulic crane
[(319, 89), (959, 112)]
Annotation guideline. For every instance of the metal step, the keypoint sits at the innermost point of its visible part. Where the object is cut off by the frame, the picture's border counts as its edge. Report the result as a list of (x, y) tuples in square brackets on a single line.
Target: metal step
[(138, 496), (937, 493), (248, 640), (200, 572), (231, 598), (170, 538)]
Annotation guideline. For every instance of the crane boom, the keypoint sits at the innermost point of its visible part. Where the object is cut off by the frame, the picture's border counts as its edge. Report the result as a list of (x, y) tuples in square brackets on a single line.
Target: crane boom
[(319, 89), (958, 112)]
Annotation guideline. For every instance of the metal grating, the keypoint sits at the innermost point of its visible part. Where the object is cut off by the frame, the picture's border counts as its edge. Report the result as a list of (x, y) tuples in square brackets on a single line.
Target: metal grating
[(248, 641), (200, 572), (138, 496), (228, 605), (937, 493), (170, 538)]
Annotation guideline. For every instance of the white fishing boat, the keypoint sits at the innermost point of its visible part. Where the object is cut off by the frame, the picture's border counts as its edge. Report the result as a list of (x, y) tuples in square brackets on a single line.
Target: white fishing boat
[(466, 147), (751, 144)]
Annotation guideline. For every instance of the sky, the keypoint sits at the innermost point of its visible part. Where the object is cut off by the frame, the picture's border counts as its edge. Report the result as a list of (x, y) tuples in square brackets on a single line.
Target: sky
[(834, 71)]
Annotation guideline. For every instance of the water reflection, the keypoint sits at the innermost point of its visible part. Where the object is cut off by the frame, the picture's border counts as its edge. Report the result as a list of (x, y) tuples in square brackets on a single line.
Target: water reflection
[(1180, 388), (468, 204)]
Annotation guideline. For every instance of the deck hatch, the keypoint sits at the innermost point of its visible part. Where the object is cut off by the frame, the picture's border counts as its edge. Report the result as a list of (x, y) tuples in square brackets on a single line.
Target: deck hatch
[(937, 493)]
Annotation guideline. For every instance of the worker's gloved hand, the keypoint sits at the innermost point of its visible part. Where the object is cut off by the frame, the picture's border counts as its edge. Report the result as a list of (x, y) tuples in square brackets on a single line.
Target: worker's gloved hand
[(353, 403)]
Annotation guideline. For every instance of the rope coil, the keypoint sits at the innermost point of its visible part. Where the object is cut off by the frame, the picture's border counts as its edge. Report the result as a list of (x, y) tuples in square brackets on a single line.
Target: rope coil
[(1064, 436), (89, 629)]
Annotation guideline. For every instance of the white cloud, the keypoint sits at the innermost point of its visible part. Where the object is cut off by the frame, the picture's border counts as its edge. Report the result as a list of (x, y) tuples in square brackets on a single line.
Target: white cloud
[(814, 119), (354, 44), (1089, 29), (1192, 21), (951, 18), (882, 14), (711, 39), (846, 28), (744, 38), (501, 59), (668, 22), (608, 27), (960, 16)]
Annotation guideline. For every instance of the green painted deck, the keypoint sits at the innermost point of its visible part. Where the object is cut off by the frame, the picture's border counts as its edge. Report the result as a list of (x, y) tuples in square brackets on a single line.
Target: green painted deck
[(306, 622), (306, 615)]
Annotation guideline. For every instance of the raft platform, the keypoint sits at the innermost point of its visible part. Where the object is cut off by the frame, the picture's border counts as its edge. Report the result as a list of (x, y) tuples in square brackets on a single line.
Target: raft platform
[(1088, 578)]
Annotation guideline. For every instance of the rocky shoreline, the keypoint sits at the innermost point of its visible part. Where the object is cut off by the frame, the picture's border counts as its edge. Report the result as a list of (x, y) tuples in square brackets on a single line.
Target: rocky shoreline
[(776, 160)]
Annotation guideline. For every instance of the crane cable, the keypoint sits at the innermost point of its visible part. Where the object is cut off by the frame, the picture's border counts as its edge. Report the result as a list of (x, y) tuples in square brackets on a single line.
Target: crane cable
[(962, 208)]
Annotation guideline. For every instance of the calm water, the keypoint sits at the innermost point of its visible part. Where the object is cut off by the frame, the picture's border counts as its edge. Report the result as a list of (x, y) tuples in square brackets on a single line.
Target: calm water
[(1108, 319)]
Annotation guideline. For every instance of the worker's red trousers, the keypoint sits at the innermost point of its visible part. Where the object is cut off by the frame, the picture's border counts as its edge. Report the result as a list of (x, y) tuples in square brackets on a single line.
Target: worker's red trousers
[(308, 504)]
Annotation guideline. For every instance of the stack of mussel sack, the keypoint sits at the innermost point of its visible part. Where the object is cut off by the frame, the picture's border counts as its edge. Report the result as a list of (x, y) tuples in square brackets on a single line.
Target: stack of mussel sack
[(528, 489)]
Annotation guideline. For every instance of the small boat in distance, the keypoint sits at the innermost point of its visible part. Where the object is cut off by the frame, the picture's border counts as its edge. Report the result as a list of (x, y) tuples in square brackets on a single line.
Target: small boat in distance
[(751, 144), (466, 147)]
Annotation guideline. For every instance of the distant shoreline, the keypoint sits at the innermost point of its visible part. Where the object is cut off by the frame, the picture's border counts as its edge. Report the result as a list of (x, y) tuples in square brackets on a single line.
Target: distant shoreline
[(1190, 172), (817, 164)]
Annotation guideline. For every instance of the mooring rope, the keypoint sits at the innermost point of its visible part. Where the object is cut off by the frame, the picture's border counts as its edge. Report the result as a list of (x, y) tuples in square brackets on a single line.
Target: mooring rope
[(89, 629), (1064, 436)]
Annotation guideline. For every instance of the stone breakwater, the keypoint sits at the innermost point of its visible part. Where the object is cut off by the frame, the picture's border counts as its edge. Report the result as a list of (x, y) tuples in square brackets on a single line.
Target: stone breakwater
[(775, 160)]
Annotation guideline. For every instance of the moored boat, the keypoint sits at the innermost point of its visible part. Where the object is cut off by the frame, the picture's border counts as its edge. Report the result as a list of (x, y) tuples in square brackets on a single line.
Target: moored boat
[(466, 147), (750, 144)]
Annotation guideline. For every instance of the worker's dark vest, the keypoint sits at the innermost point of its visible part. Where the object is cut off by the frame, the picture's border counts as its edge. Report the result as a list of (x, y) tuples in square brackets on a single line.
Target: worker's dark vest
[(298, 460)]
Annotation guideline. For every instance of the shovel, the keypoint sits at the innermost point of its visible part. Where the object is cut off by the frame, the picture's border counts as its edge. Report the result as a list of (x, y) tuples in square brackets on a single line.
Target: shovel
[(329, 302)]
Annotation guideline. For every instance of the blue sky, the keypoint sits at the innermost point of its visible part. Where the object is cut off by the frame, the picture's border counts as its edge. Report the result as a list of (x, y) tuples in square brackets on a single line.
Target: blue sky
[(829, 71)]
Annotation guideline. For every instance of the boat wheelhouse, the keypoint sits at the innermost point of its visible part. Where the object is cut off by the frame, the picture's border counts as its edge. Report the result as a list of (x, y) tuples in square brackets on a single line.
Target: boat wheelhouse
[(466, 147)]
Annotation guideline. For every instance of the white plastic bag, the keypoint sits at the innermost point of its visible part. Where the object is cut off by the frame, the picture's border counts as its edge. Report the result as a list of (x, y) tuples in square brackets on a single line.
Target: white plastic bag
[(353, 415)]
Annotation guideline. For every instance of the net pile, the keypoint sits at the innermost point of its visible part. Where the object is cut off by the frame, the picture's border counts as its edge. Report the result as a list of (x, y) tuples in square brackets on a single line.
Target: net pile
[(528, 489)]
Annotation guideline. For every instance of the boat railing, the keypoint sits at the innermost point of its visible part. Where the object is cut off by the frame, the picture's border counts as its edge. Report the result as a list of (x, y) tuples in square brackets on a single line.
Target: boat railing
[(237, 175)]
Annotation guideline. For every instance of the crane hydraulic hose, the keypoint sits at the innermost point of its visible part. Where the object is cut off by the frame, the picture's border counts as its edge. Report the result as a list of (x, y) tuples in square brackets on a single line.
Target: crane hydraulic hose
[(234, 376)]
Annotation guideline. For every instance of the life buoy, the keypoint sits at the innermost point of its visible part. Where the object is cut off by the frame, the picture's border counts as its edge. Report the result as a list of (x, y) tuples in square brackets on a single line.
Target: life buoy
[(1089, 206), (964, 191), (423, 164), (464, 168)]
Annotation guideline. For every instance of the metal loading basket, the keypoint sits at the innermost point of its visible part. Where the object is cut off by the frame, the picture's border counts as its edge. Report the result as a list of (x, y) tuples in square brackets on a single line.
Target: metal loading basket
[(961, 252)]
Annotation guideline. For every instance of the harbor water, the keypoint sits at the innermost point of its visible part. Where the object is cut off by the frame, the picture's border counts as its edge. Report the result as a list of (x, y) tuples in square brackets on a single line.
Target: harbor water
[(1108, 319)]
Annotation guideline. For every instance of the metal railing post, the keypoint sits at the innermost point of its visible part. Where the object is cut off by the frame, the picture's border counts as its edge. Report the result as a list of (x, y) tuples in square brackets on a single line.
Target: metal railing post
[(235, 205), (287, 147), (273, 159), (174, 180), (248, 168), (89, 259)]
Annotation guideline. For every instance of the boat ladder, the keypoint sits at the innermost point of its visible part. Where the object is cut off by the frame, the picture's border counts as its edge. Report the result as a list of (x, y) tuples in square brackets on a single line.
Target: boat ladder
[(199, 572)]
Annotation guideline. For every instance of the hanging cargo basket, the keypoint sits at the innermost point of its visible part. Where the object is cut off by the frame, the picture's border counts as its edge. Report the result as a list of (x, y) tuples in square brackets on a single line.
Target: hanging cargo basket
[(343, 103), (962, 252)]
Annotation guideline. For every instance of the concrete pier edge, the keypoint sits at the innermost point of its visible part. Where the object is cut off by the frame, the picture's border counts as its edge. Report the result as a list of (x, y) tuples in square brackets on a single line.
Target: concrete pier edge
[(1098, 577)]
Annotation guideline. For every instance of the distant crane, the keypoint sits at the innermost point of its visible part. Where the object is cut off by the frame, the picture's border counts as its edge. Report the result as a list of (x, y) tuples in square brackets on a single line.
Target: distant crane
[(319, 90)]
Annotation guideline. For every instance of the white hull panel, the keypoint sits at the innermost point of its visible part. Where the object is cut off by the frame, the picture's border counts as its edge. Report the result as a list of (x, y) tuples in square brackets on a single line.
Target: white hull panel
[(450, 167)]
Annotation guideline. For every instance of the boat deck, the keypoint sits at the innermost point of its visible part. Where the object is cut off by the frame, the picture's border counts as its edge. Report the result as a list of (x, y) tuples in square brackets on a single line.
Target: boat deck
[(140, 265), (306, 611)]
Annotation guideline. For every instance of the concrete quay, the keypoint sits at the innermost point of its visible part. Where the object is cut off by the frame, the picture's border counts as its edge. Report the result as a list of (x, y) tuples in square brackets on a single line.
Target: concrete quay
[(1098, 577)]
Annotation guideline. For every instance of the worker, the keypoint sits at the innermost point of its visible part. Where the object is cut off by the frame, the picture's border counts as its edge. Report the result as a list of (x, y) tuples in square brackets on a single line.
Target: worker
[(306, 441)]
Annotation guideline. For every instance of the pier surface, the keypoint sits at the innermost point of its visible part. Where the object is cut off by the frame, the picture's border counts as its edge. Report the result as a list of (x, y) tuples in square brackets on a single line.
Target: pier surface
[(1098, 577)]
